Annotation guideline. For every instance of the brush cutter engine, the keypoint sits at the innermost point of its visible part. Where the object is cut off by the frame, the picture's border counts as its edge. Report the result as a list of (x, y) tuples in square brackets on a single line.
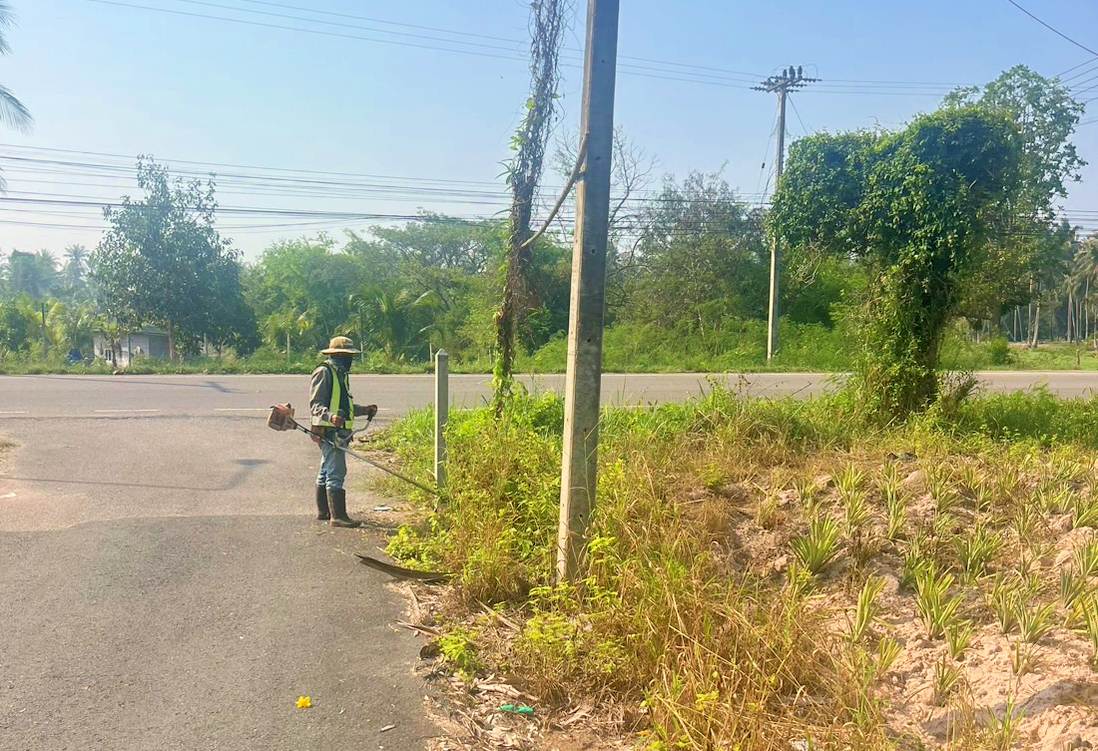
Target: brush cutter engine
[(281, 417)]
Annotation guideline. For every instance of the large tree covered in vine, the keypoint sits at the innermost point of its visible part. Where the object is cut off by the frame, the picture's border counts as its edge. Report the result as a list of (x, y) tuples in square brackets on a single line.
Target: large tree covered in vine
[(918, 208)]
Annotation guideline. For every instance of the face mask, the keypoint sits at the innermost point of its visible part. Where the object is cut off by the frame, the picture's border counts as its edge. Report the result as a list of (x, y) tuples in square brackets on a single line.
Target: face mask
[(343, 361)]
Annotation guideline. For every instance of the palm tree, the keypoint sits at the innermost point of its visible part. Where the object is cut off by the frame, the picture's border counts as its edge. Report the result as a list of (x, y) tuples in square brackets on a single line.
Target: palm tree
[(394, 318), (12, 112), (286, 324), (74, 272)]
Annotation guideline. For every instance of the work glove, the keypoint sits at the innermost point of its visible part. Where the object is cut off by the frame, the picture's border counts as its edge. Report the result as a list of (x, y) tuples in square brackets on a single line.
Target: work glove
[(371, 411)]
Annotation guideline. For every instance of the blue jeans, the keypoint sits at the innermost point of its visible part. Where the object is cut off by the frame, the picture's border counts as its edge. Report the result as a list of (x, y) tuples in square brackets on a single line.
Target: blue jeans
[(333, 462)]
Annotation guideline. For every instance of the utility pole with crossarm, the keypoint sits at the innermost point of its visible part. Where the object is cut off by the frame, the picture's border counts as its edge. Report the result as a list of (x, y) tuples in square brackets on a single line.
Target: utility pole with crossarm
[(789, 79)]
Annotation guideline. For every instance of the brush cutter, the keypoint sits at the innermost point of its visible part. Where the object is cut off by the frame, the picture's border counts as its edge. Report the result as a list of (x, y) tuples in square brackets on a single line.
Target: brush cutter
[(281, 418)]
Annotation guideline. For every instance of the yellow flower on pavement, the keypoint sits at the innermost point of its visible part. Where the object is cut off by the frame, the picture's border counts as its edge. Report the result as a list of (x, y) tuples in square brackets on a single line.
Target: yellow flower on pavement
[(304, 702)]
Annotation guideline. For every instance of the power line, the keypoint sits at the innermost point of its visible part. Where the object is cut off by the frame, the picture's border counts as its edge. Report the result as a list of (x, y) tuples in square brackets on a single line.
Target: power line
[(751, 75), (726, 79), (1088, 61), (1053, 29), (797, 112)]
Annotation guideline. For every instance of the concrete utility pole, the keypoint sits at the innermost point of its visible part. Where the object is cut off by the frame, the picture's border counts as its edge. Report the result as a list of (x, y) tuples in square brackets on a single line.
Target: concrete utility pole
[(442, 413), (588, 297), (789, 79)]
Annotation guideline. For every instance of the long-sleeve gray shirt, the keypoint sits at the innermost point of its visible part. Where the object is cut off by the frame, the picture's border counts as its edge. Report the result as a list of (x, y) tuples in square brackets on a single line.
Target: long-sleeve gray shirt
[(320, 395)]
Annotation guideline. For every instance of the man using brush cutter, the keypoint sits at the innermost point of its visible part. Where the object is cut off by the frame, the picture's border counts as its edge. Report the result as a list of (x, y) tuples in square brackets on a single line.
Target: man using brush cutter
[(333, 417)]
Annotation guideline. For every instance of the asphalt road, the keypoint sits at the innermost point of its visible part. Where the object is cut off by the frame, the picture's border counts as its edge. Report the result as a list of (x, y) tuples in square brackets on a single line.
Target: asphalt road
[(163, 586)]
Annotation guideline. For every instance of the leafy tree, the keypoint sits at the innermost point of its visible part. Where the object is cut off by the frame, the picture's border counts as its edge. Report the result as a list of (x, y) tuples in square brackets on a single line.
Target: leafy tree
[(306, 285), (442, 256), (17, 325), (1046, 116), (918, 207), (702, 257), (31, 274), (230, 320), (159, 261)]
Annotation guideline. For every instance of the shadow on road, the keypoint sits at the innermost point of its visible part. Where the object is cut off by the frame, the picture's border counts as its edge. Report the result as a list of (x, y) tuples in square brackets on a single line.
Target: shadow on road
[(247, 466), (131, 381)]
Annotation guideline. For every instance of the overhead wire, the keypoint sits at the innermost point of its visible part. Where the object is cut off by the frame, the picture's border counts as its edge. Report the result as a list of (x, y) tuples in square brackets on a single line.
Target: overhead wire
[(1053, 29), (693, 74), (797, 112)]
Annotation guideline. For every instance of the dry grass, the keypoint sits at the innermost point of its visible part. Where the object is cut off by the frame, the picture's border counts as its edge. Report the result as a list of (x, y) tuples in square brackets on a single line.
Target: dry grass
[(956, 610)]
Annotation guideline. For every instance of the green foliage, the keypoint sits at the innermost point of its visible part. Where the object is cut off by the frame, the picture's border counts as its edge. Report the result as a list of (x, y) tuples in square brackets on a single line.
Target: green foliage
[(163, 262), (459, 648), (819, 546), (917, 207), (717, 646), (998, 350), (937, 608)]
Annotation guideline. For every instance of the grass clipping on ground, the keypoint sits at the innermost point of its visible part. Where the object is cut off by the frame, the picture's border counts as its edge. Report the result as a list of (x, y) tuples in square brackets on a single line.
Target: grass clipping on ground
[(776, 575)]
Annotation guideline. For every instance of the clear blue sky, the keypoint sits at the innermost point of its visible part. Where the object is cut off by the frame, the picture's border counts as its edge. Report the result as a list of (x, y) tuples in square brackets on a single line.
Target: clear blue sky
[(123, 80)]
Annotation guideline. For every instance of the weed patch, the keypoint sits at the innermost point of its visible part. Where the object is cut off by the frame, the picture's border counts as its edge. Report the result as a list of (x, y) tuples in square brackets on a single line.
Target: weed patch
[(766, 573)]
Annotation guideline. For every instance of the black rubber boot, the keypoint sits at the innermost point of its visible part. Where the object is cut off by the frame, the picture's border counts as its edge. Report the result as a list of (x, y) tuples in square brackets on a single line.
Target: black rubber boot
[(322, 514), (337, 502)]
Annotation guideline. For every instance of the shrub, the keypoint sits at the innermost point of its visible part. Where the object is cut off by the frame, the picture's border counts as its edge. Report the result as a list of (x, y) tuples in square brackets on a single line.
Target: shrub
[(998, 350)]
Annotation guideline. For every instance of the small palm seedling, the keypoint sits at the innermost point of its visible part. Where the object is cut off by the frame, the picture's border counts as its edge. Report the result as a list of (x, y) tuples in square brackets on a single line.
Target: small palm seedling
[(808, 492), (981, 497), (896, 505), (768, 513), (1030, 565), (850, 480), (1033, 623), (976, 550), (958, 637), (888, 649), (1073, 587), (947, 679), (889, 479), (916, 560), (856, 510), (1023, 659), (1084, 511), (816, 549), (1025, 521), (1003, 600), (1090, 626), (1054, 500), (1085, 558), (798, 581), (943, 492), (970, 479), (866, 612), (936, 606), (1065, 470), (1003, 731), (942, 527), (1007, 480)]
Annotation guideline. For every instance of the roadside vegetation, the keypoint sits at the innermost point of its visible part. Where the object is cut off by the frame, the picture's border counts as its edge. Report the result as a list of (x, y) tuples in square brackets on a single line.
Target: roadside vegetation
[(687, 276), (902, 564), (767, 573)]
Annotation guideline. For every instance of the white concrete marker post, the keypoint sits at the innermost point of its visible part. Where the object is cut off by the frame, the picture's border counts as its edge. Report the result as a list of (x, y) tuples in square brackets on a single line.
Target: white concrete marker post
[(442, 411)]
